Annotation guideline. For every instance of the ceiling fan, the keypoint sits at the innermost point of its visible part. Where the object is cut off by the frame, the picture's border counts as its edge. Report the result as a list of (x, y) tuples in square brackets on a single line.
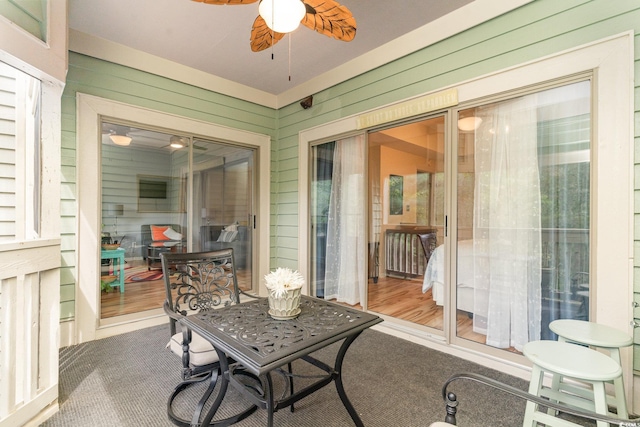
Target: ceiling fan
[(327, 17)]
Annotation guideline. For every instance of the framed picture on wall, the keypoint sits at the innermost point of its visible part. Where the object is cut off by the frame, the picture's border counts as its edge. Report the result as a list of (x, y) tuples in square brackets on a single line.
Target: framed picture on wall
[(161, 193)]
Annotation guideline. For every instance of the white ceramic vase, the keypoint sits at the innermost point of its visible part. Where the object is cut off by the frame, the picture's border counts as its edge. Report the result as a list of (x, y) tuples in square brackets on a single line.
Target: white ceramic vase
[(285, 307)]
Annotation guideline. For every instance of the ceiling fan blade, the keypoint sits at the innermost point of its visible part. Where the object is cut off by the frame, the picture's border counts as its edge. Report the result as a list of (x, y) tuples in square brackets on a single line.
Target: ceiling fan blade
[(263, 37), (230, 2), (330, 18)]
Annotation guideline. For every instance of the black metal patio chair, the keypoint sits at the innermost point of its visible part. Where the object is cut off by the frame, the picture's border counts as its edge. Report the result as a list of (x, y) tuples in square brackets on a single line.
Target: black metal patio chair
[(197, 281)]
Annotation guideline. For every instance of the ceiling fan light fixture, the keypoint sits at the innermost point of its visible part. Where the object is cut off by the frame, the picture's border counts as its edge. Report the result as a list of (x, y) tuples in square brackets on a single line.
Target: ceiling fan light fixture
[(469, 124), (122, 140), (282, 16), (176, 142)]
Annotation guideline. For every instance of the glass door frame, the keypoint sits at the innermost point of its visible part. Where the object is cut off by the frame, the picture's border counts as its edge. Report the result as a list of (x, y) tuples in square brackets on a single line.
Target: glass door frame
[(86, 325)]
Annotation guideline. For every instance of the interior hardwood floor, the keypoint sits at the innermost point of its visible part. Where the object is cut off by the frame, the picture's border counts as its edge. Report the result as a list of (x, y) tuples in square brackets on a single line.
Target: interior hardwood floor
[(395, 297), (137, 297), (403, 299), (145, 295)]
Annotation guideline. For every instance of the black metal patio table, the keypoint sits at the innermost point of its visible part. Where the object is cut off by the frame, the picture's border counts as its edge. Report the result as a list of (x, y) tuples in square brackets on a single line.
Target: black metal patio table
[(257, 344)]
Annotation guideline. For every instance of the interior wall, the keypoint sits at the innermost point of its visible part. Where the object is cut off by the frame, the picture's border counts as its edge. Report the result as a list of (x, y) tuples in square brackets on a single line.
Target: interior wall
[(215, 191), (120, 173), (236, 185), (394, 162)]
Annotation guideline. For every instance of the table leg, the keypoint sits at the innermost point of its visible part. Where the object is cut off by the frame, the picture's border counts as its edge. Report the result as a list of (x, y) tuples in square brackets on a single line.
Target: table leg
[(535, 385), (121, 275), (224, 385), (339, 386), (290, 375), (268, 394)]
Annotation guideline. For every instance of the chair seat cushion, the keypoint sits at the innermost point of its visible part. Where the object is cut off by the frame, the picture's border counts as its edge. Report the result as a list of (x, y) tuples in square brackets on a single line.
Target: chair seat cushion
[(201, 351)]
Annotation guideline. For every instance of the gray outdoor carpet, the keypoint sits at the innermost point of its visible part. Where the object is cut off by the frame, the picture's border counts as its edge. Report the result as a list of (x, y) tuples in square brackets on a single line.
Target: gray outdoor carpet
[(125, 381)]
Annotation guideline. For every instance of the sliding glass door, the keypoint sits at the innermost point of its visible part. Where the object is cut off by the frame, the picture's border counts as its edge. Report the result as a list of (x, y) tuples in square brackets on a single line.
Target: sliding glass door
[(162, 192), (377, 215), (517, 212), (144, 205), (223, 203)]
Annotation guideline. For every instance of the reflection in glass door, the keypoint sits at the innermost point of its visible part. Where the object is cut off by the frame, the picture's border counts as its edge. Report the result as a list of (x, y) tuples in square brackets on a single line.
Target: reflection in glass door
[(223, 202), (407, 221), (144, 195), (147, 210)]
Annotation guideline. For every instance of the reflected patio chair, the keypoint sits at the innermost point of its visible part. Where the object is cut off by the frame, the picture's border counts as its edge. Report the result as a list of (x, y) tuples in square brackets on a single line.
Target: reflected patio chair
[(197, 281)]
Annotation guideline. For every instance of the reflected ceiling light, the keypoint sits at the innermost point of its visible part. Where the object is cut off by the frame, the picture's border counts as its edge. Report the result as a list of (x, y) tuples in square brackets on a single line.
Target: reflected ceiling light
[(468, 124), (176, 142), (282, 16), (123, 140)]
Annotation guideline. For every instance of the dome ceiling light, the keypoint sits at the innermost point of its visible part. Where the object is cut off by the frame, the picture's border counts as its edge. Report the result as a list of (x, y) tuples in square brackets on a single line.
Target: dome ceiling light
[(468, 124), (122, 140)]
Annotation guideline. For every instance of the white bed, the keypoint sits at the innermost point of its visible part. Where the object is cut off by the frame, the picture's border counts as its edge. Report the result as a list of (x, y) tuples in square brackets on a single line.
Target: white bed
[(434, 276)]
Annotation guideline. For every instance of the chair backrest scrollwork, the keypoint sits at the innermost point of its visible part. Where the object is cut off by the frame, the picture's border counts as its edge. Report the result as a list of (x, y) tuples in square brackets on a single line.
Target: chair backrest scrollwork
[(198, 281)]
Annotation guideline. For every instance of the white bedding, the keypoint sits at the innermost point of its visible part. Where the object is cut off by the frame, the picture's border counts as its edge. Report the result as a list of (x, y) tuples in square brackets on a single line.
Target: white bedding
[(434, 275)]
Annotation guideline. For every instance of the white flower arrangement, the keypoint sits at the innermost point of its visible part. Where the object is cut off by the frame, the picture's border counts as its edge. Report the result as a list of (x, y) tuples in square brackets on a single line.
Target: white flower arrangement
[(281, 280)]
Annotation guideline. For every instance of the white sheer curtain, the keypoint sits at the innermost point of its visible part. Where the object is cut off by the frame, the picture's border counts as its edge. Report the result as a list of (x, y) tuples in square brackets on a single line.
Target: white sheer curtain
[(506, 225), (346, 264)]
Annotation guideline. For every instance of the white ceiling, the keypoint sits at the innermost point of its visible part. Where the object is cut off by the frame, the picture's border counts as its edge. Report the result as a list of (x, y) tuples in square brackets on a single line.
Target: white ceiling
[(215, 39)]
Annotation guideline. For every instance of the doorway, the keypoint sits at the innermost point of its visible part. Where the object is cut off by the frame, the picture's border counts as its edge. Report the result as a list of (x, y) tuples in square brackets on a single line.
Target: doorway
[(406, 165), (517, 213)]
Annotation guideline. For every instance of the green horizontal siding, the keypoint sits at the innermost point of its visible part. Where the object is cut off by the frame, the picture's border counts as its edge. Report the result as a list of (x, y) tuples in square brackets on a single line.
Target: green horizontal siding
[(28, 15)]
